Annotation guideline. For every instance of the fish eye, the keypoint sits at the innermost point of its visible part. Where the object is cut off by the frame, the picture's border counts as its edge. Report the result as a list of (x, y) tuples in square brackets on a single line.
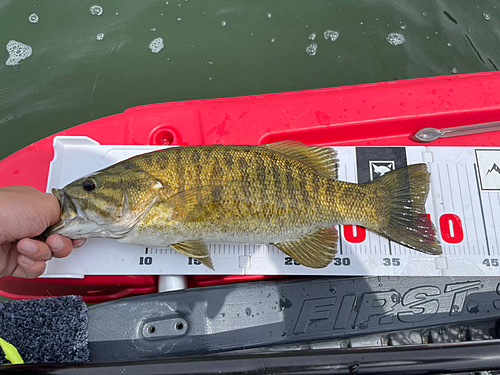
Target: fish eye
[(89, 184)]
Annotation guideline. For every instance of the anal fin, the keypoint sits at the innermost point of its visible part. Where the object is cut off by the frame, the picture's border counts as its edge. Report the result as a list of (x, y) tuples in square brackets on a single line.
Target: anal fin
[(196, 249), (316, 250)]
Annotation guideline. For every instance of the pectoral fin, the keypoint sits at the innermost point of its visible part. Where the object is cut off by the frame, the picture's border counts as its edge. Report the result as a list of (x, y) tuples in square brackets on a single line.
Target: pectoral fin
[(315, 250), (196, 249), (192, 204)]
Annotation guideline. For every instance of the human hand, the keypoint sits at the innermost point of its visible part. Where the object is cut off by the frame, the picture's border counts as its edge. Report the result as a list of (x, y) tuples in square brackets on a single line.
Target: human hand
[(25, 213)]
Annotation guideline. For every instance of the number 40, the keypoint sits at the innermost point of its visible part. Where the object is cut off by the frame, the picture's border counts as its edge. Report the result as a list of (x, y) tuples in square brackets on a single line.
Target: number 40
[(450, 227)]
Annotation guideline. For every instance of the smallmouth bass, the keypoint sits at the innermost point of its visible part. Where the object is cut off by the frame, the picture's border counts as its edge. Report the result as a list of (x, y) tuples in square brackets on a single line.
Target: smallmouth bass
[(285, 193)]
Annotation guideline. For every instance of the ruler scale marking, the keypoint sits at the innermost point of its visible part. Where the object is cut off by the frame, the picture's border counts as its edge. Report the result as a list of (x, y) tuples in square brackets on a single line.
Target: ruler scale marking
[(482, 211), (474, 214), (449, 183), (464, 213)]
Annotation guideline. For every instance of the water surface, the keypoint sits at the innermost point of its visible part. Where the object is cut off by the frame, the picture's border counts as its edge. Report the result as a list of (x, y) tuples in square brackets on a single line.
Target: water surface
[(96, 58)]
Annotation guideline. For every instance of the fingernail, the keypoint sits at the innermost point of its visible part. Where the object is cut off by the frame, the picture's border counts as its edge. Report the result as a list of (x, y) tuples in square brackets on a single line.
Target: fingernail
[(57, 244), (78, 243), (30, 247), (26, 260)]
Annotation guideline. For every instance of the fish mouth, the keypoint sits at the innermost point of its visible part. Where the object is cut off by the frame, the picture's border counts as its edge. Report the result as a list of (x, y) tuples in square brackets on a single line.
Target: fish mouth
[(59, 193), (70, 212), (69, 208)]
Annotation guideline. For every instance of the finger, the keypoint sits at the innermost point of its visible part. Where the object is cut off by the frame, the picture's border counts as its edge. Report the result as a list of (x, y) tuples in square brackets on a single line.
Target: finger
[(78, 243), (60, 246), (28, 268), (36, 250)]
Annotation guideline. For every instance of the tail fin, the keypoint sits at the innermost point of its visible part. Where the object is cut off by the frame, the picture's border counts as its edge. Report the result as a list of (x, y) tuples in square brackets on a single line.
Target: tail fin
[(408, 224)]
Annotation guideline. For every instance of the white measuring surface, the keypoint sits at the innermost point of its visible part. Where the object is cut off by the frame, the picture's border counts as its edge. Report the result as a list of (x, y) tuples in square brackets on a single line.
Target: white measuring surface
[(464, 205)]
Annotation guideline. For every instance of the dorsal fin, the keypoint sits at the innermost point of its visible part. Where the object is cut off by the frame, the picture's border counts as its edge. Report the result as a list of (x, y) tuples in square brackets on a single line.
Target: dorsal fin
[(322, 159)]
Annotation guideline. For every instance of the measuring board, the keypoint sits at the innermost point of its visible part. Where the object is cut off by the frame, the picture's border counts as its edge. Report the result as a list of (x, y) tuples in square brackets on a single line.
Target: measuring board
[(463, 203)]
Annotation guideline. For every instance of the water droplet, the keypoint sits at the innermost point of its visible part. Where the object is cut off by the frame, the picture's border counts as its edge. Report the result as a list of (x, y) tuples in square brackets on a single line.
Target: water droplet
[(209, 78), (312, 36), (272, 40), (166, 2), (17, 51), (179, 18), (424, 14), (331, 35), (179, 4), (223, 23), (33, 18), (248, 311), (269, 15), (454, 70), (153, 29), (403, 27), (486, 16), (156, 45), (311, 49), (395, 39), (353, 368), (210, 62), (251, 34), (96, 10), (116, 14), (100, 36), (161, 14), (448, 44)]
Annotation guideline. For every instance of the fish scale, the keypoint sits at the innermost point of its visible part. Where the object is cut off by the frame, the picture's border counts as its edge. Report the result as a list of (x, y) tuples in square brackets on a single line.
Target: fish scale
[(275, 189), (284, 193)]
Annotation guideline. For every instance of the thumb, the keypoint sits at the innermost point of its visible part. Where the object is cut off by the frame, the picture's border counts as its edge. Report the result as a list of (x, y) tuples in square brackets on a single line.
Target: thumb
[(53, 209)]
